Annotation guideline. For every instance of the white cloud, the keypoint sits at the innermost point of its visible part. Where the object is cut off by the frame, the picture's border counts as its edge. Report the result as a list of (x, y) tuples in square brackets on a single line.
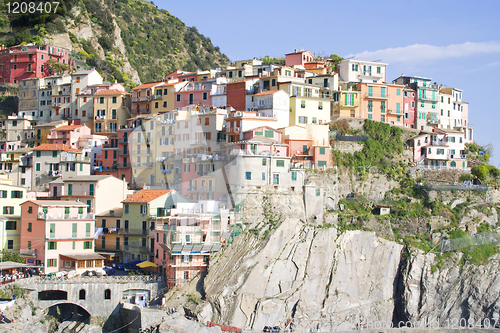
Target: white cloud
[(425, 53)]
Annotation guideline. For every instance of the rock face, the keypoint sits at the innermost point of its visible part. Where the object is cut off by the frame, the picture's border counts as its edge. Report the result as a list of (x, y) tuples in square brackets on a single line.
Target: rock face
[(309, 275)]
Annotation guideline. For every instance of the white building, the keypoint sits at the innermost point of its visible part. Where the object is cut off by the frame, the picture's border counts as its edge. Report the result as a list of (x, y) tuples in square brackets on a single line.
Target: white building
[(353, 70)]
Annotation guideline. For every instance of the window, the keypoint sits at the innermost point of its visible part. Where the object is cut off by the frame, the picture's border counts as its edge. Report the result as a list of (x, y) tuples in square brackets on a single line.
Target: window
[(54, 153), (87, 229), (107, 294), (8, 210), (382, 118), (81, 294), (370, 106), (321, 164), (91, 189), (320, 105), (269, 134), (143, 209), (51, 262), (178, 97), (16, 194), (10, 244), (398, 92), (3, 194), (263, 176), (30, 226), (370, 116), (52, 245), (87, 245), (294, 175), (280, 163), (379, 70), (302, 104), (11, 225), (126, 208), (205, 96), (101, 100), (318, 191), (248, 175)]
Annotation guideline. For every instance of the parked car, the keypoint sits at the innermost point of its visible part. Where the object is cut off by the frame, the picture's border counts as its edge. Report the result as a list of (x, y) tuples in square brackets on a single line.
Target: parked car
[(121, 266)]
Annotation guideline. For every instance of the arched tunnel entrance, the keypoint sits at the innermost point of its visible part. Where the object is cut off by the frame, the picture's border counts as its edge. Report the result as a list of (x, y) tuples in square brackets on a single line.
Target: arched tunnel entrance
[(64, 312)]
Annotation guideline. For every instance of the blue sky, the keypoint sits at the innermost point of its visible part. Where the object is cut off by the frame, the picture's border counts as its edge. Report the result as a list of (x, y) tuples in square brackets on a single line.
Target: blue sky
[(456, 43)]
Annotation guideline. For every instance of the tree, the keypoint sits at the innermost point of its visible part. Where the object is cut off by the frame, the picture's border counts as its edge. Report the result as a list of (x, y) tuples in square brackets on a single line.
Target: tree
[(335, 60), (12, 256), (57, 66)]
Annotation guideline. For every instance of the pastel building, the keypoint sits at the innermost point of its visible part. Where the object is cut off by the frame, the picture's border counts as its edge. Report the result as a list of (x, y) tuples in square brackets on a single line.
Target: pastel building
[(427, 96), (29, 61), (67, 135), (99, 192), (59, 235), (110, 242), (111, 109), (441, 149), (139, 213), (346, 104), (409, 107), (11, 198), (309, 145), (382, 102), (353, 70), (17, 165), (51, 161), (306, 104)]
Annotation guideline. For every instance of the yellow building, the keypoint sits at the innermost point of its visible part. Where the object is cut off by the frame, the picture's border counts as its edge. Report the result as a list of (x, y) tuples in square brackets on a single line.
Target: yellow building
[(346, 104), (138, 223), (110, 242), (306, 105), (111, 111), (41, 131), (11, 197)]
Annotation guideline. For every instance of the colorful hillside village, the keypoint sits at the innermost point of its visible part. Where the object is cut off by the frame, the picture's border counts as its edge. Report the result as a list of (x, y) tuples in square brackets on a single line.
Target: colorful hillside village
[(92, 175)]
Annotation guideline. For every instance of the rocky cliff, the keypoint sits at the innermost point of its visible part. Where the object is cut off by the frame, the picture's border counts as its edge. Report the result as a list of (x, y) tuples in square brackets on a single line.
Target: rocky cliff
[(306, 272)]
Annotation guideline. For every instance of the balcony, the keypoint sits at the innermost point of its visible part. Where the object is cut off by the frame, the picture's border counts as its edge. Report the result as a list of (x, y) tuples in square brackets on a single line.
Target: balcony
[(30, 70), (124, 165), (50, 216), (123, 140), (100, 118), (456, 157), (73, 158), (396, 112), (142, 99), (123, 153), (133, 232), (368, 96), (28, 252), (146, 250), (429, 98)]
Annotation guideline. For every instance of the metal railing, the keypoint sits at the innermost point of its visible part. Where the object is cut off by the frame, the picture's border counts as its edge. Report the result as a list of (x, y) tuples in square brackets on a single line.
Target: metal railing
[(49, 216), (86, 279)]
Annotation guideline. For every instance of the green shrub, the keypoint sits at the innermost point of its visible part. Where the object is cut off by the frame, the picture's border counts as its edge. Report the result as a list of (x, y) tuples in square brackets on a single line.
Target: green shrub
[(458, 233)]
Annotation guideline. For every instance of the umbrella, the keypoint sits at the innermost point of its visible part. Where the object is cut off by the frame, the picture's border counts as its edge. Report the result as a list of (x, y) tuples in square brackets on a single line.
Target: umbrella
[(146, 263)]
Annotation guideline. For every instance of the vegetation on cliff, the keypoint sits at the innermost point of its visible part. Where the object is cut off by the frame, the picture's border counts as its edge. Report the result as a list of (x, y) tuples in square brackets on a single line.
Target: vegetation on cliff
[(155, 41)]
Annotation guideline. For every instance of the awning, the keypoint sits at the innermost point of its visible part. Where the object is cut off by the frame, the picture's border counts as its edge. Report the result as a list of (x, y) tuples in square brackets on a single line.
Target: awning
[(90, 256), (12, 264), (164, 247), (226, 235), (146, 263)]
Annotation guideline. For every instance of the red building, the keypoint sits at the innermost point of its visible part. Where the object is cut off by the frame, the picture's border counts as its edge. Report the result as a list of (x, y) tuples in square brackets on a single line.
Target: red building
[(182, 76), (115, 158), (409, 108), (236, 94), (29, 61), (194, 93)]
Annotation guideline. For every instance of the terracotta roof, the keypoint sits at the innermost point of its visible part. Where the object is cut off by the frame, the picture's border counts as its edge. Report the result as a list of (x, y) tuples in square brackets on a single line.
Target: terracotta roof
[(269, 92), (148, 85), (66, 127), (51, 146), (144, 196), (110, 92)]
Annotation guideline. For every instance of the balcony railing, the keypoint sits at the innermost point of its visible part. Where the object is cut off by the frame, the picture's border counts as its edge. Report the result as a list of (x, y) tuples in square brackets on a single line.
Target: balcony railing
[(371, 96), (60, 216), (140, 232), (124, 165), (28, 252), (142, 99)]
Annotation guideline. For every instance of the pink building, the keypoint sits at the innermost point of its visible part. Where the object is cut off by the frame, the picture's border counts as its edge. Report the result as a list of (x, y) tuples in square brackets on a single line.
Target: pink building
[(68, 135), (262, 140), (298, 58), (409, 107), (194, 93), (29, 61), (59, 235)]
